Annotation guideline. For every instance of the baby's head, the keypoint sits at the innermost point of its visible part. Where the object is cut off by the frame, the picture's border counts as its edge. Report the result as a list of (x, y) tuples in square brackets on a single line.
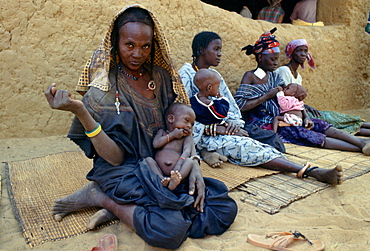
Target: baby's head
[(181, 116), (296, 90), (208, 82)]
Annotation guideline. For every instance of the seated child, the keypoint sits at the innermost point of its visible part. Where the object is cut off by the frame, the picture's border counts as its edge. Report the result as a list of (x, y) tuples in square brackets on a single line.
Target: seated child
[(172, 161), (209, 111), (210, 107), (291, 106)]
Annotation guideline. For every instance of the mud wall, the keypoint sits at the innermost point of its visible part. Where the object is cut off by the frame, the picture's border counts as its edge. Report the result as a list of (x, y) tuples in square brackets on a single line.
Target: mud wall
[(43, 42)]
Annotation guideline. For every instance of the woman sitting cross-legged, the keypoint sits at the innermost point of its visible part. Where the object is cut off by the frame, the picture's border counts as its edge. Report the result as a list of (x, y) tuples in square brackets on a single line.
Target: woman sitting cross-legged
[(126, 97)]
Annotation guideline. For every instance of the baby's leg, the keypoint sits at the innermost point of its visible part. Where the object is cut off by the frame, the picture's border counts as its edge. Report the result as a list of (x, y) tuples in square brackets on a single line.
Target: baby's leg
[(157, 170), (186, 168), (175, 179), (154, 167)]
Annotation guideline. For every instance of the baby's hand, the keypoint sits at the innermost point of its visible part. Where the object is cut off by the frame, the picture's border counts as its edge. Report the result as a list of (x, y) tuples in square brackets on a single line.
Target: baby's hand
[(177, 133)]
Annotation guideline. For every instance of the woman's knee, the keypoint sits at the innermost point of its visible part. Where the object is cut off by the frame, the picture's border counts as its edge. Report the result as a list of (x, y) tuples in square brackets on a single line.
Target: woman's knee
[(161, 227)]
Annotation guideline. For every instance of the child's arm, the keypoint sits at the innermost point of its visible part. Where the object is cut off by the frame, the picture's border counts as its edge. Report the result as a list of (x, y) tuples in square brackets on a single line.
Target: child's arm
[(160, 139)]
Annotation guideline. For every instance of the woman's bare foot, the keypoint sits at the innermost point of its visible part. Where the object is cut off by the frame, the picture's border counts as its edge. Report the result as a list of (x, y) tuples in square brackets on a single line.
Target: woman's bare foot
[(88, 196), (103, 215), (366, 148), (213, 159), (175, 180), (332, 176), (165, 181)]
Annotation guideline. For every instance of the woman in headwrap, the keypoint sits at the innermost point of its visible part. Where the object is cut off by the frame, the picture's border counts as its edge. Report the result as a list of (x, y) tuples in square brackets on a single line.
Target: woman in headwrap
[(256, 98), (297, 52), (128, 84), (240, 150)]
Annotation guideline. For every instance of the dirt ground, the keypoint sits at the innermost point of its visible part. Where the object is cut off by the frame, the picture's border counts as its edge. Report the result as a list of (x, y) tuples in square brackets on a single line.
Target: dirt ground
[(339, 216)]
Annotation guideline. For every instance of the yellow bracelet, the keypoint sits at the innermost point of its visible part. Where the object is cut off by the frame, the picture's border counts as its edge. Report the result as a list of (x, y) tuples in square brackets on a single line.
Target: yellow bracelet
[(94, 132)]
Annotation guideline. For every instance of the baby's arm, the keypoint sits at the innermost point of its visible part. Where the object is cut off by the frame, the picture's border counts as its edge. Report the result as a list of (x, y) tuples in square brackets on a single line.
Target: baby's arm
[(160, 139)]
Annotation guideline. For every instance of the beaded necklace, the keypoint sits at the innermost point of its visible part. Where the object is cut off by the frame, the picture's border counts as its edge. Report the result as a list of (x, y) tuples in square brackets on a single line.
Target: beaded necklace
[(128, 75)]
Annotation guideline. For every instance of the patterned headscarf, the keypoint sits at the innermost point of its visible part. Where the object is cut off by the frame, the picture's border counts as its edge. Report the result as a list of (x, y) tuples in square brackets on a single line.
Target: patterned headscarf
[(266, 44), (293, 45), (96, 70)]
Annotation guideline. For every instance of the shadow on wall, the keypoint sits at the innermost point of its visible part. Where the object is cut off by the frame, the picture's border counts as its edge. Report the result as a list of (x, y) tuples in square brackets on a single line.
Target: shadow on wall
[(253, 5)]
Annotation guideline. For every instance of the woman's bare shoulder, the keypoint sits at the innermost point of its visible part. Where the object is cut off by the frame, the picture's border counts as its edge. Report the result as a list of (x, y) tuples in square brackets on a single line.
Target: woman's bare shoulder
[(248, 77)]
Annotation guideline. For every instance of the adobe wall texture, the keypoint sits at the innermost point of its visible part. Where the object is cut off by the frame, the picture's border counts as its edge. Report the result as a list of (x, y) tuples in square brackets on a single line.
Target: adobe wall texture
[(43, 42)]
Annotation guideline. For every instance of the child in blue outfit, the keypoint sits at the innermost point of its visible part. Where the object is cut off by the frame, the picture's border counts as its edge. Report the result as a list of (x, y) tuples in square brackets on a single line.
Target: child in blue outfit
[(209, 110)]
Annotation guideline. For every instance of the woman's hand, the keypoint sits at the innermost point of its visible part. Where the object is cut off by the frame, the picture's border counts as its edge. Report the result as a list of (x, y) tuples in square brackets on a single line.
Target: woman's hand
[(196, 181), (232, 128), (280, 88), (313, 111), (242, 133), (308, 123), (61, 100), (272, 93)]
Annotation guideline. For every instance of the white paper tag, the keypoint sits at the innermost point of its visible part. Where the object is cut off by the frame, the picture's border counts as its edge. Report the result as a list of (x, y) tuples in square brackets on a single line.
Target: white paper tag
[(260, 73)]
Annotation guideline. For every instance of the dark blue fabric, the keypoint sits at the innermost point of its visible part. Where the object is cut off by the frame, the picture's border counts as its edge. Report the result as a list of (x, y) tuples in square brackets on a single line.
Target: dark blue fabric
[(304, 137), (265, 136), (163, 218)]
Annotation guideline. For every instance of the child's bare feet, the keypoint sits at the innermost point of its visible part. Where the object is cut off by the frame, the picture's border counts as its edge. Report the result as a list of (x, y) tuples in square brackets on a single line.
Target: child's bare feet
[(103, 215), (165, 181), (213, 159), (88, 196), (332, 176), (175, 180)]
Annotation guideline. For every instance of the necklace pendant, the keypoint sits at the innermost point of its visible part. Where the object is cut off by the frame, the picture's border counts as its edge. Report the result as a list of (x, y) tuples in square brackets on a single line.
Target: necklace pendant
[(135, 78), (151, 85), (117, 104)]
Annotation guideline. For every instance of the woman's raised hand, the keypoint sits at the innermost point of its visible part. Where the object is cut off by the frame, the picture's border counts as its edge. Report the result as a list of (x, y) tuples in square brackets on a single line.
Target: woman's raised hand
[(61, 99)]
